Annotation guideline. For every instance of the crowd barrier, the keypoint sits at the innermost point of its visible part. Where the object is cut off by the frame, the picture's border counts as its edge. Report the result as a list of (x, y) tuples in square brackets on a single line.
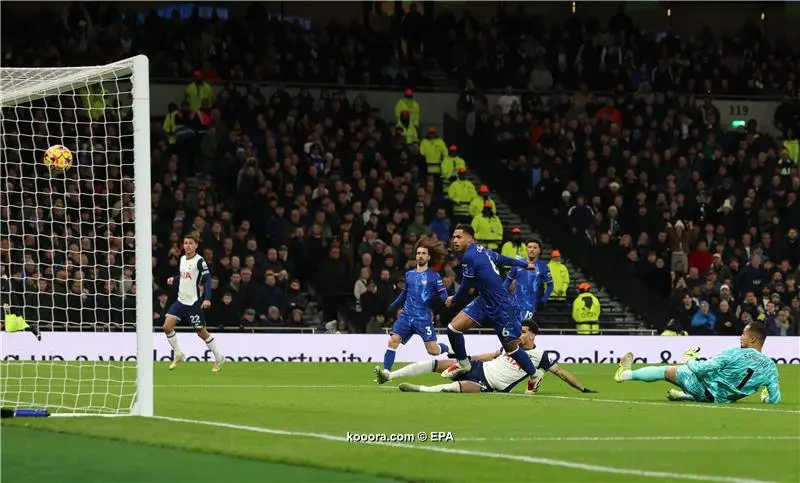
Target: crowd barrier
[(367, 348)]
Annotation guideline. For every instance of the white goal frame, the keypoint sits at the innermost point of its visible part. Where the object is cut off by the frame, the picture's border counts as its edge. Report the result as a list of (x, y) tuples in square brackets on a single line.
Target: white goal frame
[(58, 80)]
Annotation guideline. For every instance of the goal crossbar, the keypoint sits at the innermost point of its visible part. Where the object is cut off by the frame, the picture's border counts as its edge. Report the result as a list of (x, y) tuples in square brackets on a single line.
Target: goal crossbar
[(90, 387), (17, 86)]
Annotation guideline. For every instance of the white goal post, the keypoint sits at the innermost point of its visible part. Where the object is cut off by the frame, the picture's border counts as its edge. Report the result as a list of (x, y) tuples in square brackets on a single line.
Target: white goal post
[(75, 246)]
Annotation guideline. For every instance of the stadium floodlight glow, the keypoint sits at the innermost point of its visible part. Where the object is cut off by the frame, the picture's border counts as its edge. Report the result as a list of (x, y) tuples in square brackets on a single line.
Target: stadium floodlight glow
[(86, 224)]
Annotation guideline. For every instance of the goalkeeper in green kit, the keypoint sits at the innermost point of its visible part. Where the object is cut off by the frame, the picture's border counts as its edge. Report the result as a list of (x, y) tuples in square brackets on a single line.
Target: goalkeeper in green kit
[(16, 323), (732, 375)]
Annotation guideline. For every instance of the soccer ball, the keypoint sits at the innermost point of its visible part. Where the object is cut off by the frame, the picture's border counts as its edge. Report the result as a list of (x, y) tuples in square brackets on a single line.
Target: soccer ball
[(58, 158)]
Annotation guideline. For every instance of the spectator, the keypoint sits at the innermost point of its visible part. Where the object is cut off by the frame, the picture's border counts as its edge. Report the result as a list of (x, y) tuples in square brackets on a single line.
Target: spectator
[(451, 165), (560, 275), (478, 203), (198, 92), (673, 328), (440, 226), (462, 193), (488, 228), (410, 106), (703, 320), (514, 248), (435, 151), (508, 100)]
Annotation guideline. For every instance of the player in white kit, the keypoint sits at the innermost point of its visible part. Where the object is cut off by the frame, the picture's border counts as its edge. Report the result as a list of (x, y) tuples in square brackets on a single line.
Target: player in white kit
[(190, 307), (490, 372)]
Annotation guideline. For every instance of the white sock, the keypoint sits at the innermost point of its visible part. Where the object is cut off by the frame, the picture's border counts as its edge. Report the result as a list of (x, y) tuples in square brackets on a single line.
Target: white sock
[(451, 387), (414, 369), (626, 375), (173, 342), (212, 346)]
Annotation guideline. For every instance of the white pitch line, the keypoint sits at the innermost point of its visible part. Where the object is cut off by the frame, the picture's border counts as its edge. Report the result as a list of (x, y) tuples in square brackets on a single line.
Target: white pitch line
[(637, 438), (729, 407), (484, 454), (653, 403)]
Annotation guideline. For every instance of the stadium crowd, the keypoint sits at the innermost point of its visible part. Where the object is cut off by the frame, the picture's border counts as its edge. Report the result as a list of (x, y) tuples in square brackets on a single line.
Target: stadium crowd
[(309, 207), (702, 214)]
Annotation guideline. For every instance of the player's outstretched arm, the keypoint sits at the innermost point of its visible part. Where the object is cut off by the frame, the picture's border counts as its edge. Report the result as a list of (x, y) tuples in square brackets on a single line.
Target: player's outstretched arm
[(573, 381), (508, 261), (487, 356)]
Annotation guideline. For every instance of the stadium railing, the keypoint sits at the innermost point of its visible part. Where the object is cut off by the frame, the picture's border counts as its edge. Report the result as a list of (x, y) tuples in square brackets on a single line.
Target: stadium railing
[(438, 89), (481, 331)]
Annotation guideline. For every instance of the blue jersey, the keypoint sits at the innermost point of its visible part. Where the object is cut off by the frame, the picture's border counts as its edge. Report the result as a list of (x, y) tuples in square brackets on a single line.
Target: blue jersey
[(480, 265), (421, 289), (529, 284), (737, 373)]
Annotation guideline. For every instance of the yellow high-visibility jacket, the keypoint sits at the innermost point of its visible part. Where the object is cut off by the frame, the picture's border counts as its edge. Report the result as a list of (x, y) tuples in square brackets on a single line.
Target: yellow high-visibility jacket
[(434, 151), (450, 166), (410, 105), (560, 275), (196, 94), (586, 313), (461, 192), (514, 251), (476, 206), (488, 231)]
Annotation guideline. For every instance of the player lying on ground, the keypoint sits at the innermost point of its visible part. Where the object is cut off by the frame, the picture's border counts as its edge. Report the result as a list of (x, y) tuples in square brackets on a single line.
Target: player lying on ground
[(189, 307), (492, 305), (493, 371), (16, 323), (423, 286), (733, 374)]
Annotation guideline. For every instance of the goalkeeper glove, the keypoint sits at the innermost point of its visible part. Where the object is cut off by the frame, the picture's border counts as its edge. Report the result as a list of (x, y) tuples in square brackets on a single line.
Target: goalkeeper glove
[(764, 395), (691, 354)]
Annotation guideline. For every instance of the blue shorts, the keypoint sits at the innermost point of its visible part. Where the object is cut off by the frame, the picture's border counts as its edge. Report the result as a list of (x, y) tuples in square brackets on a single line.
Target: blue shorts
[(405, 328), (691, 385), (506, 325), (476, 375), (194, 314)]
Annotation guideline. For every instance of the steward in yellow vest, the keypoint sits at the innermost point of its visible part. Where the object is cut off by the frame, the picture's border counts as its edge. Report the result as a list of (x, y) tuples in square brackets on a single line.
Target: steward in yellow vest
[(488, 228), (461, 192), (560, 275), (586, 311), (476, 206), (450, 166), (407, 129), (408, 104), (434, 150), (514, 248)]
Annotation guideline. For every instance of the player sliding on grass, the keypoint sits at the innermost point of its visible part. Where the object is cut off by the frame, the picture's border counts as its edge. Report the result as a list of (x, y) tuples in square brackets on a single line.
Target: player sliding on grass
[(492, 305), (732, 375), (193, 272), (493, 371), (423, 286)]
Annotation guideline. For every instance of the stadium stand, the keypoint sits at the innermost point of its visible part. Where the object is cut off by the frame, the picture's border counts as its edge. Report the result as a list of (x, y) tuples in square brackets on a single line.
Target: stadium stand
[(647, 175)]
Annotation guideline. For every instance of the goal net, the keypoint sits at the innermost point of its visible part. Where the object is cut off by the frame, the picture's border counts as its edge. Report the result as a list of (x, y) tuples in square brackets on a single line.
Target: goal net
[(75, 245)]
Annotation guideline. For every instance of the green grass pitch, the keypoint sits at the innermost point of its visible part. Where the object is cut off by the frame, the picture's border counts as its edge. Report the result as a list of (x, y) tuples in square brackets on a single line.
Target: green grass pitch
[(258, 422)]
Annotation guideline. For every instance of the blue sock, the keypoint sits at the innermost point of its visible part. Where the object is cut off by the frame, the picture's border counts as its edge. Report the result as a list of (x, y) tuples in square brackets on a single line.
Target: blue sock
[(443, 349), (457, 343), (388, 359), (649, 374), (524, 361)]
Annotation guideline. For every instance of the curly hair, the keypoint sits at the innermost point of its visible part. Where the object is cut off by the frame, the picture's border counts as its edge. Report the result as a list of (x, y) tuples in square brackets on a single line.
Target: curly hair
[(436, 249)]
